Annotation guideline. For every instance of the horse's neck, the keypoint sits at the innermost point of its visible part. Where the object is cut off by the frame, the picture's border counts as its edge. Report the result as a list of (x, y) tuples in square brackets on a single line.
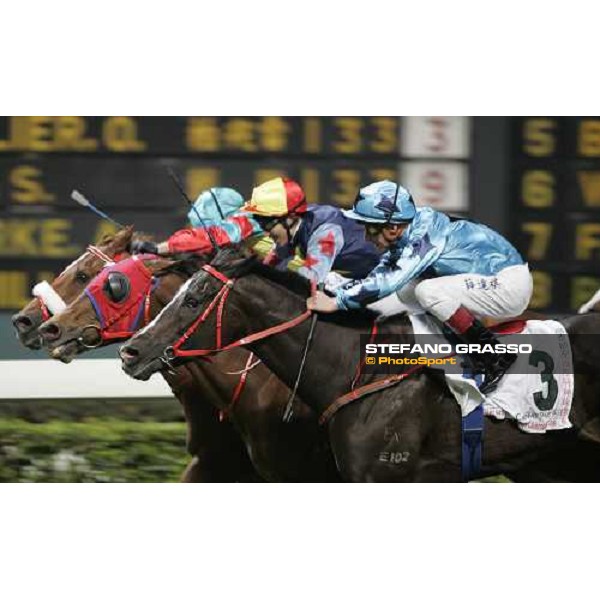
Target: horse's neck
[(334, 352)]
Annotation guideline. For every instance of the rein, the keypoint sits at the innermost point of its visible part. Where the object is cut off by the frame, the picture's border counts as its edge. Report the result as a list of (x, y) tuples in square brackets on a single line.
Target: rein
[(365, 390), (218, 302), (356, 393)]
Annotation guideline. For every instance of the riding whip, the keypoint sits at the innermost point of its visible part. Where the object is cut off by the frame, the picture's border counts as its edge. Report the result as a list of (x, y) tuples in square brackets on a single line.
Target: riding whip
[(289, 408), (214, 197), (177, 183), (83, 201)]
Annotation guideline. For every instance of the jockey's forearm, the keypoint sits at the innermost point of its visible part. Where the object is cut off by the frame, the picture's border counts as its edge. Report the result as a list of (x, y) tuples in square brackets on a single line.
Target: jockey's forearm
[(200, 240), (316, 273), (324, 245), (195, 240)]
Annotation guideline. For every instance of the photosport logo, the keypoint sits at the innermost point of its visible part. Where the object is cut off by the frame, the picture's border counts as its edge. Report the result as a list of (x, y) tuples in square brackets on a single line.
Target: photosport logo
[(387, 354), (408, 361)]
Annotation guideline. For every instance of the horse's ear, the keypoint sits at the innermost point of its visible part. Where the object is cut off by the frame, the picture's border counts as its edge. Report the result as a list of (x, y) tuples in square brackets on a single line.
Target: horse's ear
[(160, 265), (232, 259), (185, 267), (239, 266), (120, 241)]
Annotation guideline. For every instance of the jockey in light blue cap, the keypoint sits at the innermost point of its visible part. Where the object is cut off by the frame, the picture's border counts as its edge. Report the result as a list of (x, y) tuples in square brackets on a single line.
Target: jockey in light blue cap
[(214, 206), (468, 270), (383, 202), (218, 210)]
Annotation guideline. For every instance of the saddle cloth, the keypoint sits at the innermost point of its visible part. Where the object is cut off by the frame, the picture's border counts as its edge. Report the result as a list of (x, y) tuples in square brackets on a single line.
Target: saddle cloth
[(514, 396)]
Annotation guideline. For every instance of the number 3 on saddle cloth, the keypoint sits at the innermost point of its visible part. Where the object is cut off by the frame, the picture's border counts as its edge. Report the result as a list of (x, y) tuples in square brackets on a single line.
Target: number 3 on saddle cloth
[(536, 392), (120, 296)]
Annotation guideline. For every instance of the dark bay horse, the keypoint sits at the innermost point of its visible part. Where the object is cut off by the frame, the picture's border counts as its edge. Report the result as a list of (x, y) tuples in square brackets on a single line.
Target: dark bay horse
[(418, 422), (217, 452), (278, 452)]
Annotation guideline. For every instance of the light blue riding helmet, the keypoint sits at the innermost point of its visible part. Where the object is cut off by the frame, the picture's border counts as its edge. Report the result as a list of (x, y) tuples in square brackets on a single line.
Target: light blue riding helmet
[(214, 205), (382, 202)]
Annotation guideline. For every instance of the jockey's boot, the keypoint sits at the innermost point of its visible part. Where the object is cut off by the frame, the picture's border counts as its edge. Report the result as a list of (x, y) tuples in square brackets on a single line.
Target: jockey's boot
[(471, 331)]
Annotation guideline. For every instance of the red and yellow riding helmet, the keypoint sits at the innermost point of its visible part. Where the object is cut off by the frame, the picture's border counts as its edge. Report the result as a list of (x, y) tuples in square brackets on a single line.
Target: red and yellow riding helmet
[(277, 198)]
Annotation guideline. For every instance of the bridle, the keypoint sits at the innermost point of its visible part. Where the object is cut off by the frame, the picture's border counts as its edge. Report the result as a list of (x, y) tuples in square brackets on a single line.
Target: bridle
[(91, 249), (218, 304)]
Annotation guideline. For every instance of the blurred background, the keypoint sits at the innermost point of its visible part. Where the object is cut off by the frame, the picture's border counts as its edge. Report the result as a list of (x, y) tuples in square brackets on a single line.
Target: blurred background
[(535, 179)]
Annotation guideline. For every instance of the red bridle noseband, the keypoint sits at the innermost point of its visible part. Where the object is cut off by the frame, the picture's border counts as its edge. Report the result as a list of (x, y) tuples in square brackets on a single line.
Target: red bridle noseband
[(46, 315), (219, 302)]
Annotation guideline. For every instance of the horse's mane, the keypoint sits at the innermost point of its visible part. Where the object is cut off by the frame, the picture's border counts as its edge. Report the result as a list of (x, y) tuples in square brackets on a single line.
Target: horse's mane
[(288, 279), (232, 263)]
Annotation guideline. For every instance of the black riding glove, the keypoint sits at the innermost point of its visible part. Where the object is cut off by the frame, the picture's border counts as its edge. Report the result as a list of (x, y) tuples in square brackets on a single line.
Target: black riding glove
[(144, 247)]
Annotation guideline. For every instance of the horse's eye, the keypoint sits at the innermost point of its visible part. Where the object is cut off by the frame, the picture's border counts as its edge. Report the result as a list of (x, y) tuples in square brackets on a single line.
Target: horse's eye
[(81, 277), (191, 302), (116, 287)]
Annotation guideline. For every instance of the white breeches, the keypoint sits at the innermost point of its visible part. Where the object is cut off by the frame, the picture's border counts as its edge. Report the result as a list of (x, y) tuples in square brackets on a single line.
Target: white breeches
[(502, 296)]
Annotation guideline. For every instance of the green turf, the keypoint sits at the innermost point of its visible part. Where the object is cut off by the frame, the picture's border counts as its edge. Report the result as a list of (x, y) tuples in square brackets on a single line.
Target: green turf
[(105, 450)]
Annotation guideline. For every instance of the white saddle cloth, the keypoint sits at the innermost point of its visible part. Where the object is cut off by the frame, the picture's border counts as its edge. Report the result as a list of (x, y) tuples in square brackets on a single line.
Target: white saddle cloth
[(514, 396)]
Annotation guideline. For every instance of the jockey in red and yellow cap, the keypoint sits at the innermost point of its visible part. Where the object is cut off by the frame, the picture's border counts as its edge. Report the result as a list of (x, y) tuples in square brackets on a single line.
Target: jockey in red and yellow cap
[(311, 239)]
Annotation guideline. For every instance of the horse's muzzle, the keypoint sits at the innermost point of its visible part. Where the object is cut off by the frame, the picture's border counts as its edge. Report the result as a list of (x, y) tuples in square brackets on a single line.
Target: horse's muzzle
[(26, 329), (140, 367)]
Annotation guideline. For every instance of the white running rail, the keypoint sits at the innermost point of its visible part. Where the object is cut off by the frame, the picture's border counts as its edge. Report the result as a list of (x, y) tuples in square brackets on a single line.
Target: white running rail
[(87, 378)]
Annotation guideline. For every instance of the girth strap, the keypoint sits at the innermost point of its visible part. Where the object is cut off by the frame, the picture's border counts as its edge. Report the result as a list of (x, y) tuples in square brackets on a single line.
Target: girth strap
[(472, 441)]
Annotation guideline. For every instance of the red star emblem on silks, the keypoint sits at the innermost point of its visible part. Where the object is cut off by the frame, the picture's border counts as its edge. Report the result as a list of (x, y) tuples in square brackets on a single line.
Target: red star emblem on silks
[(327, 244), (310, 261)]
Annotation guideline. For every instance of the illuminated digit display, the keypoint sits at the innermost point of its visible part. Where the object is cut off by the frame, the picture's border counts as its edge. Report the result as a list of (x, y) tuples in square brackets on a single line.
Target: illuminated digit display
[(440, 147), (555, 206), (120, 162)]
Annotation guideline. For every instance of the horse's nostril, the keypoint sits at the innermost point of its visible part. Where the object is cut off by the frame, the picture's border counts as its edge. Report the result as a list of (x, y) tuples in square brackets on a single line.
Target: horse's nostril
[(22, 323), (129, 354), (50, 331)]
